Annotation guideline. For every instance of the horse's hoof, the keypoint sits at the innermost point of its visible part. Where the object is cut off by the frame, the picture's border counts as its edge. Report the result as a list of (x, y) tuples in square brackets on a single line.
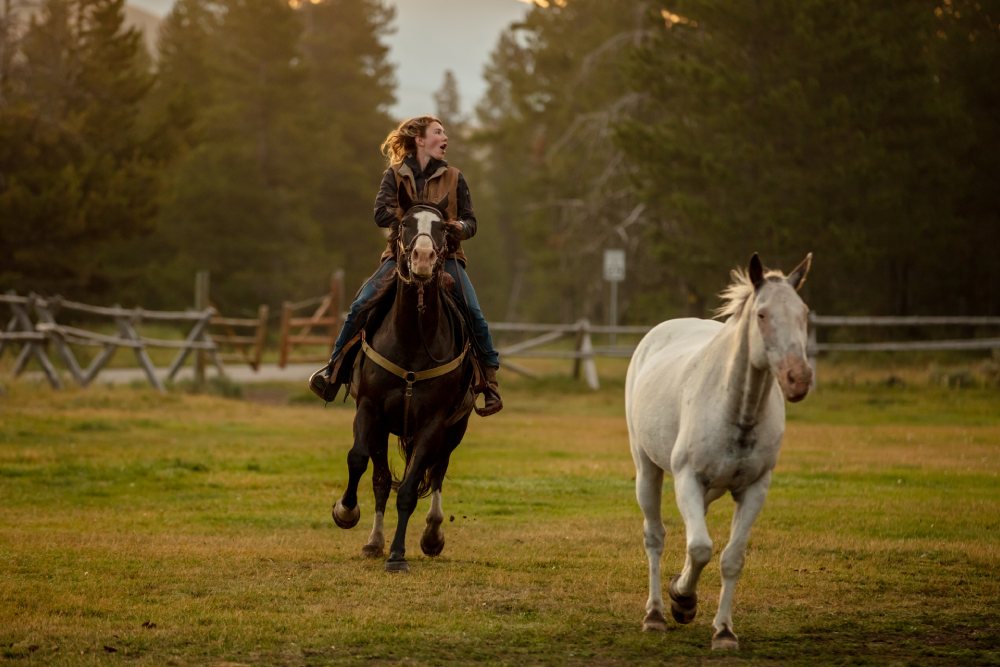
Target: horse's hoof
[(682, 607), (432, 545), (372, 551), (725, 640), (346, 518), (654, 622), (398, 565)]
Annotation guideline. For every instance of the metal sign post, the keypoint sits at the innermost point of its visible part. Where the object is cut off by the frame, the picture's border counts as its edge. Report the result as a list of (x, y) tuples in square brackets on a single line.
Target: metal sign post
[(614, 273)]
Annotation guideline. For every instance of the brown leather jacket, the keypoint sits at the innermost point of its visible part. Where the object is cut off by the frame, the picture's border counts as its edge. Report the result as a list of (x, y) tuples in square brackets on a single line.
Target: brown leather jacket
[(432, 184)]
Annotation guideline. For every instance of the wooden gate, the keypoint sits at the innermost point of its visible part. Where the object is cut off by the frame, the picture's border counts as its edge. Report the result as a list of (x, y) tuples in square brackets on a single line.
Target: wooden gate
[(317, 331)]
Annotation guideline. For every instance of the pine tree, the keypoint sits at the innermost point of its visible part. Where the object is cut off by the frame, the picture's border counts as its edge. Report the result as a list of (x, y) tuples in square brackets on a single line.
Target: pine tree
[(557, 180), (353, 82), (76, 178)]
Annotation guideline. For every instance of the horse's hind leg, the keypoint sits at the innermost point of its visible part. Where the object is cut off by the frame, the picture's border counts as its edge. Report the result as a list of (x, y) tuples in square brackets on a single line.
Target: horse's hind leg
[(382, 486), (432, 541), (748, 506), (648, 492)]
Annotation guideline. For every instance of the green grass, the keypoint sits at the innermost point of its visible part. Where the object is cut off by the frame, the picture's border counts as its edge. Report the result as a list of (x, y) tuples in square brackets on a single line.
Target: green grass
[(194, 529)]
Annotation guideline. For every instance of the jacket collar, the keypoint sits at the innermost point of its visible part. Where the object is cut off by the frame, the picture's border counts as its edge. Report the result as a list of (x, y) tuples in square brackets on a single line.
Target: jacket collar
[(410, 167)]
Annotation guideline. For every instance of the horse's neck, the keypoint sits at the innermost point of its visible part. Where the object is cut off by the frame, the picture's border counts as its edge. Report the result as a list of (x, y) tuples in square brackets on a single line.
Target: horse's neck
[(746, 386), (409, 322)]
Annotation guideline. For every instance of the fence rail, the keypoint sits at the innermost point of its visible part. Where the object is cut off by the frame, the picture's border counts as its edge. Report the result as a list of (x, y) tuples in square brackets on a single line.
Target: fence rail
[(215, 336), (247, 348), (127, 320), (317, 329), (584, 351)]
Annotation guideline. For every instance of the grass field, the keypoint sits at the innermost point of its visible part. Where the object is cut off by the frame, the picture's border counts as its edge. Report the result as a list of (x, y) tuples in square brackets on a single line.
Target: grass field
[(195, 529)]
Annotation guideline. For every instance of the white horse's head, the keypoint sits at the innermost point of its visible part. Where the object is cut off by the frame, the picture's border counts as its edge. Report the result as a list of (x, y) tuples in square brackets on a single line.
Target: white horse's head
[(778, 328)]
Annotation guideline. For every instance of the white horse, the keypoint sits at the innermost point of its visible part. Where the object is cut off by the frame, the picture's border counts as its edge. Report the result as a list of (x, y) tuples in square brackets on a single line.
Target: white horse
[(702, 402)]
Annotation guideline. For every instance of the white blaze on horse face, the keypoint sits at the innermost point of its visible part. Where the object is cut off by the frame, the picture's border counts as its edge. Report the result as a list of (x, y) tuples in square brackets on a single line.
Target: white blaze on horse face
[(779, 341), (423, 256)]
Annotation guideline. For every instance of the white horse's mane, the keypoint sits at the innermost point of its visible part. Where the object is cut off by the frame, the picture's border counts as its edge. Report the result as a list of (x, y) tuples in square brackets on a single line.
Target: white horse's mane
[(740, 290)]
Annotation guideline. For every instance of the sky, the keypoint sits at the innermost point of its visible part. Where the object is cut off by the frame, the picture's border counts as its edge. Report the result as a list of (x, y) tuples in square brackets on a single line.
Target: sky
[(433, 36)]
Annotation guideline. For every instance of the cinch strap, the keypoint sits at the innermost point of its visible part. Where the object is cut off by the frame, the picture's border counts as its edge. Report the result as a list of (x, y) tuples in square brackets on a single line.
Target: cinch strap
[(410, 376)]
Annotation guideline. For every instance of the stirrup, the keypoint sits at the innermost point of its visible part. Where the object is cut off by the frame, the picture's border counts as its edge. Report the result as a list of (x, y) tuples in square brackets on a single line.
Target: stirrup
[(487, 410), (321, 385)]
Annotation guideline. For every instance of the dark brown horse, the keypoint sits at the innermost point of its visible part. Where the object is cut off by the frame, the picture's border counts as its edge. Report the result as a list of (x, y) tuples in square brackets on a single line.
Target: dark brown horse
[(413, 380)]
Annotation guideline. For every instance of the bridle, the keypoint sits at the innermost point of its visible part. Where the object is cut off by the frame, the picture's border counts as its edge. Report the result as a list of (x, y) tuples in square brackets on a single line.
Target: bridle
[(407, 252)]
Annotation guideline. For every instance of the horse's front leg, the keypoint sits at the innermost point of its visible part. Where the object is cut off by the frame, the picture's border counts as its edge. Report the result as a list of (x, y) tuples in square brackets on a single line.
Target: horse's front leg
[(346, 512), (406, 503), (748, 506), (691, 501)]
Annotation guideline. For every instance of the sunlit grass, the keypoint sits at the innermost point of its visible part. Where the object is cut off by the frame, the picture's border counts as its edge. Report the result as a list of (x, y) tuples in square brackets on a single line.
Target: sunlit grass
[(193, 529)]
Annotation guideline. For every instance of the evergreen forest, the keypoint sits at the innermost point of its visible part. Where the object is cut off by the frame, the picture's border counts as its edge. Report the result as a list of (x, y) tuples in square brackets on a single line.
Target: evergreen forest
[(689, 133)]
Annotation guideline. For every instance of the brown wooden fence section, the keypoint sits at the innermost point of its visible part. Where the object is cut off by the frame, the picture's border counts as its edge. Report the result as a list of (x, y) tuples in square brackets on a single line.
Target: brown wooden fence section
[(319, 328), (20, 330), (241, 340), (61, 336)]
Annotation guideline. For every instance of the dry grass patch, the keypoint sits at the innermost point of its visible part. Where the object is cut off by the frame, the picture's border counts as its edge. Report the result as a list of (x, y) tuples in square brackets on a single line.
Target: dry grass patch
[(195, 530)]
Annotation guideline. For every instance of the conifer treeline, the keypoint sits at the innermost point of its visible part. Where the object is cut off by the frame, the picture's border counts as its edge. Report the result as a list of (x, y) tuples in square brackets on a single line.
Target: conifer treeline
[(690, 133), (695, 132), (250, 149)]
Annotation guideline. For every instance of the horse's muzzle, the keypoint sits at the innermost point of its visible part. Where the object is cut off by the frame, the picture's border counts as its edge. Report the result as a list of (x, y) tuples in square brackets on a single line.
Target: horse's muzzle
[(795, 378), (422, 263)]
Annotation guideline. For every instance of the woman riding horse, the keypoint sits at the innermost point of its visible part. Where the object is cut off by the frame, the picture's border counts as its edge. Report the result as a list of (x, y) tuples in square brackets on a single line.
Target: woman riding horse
[(415, 151)]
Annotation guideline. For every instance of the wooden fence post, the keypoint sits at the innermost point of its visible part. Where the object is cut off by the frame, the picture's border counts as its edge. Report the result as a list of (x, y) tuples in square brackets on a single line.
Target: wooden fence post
[(336, 304), (286, 322), (261, 338), (201, 298), (812, 350), (585, 350)]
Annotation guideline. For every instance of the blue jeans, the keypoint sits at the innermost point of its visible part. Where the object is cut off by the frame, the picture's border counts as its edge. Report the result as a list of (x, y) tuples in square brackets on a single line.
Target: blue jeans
[(463, 291)]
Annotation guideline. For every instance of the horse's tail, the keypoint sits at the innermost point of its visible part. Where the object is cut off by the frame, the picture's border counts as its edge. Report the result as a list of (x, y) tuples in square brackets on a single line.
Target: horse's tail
[(426, 484)]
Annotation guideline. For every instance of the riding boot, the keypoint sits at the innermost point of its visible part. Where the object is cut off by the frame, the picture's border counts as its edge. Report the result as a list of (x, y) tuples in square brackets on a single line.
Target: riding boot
[(321, 382), (491, 393)]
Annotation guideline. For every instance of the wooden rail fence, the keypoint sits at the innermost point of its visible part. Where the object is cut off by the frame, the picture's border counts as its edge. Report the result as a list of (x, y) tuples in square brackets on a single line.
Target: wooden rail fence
[(127, 321), (234, 346), (210, 333), (584, 351), (320, 328)]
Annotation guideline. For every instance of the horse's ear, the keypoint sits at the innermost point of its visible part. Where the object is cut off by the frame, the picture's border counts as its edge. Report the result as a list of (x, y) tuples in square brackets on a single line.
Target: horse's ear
[(797, 278), (443, 205), (403, 198), (756, 271)]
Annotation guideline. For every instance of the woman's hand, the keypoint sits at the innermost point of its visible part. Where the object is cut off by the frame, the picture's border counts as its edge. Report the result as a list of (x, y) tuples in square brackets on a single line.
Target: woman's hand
[(455, 229)]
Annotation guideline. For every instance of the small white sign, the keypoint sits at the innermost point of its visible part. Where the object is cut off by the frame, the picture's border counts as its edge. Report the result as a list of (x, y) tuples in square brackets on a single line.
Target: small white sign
[(614, 265)]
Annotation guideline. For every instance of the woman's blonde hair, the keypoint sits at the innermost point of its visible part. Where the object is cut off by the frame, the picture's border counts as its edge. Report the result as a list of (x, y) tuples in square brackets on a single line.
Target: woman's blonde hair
[(403, 139)]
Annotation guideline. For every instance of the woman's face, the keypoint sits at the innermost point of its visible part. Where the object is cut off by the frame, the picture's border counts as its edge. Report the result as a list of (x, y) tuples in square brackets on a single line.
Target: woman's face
[(434, 143)]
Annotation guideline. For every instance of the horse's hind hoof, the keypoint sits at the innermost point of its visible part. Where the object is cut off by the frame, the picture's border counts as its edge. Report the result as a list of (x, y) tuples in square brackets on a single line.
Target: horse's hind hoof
[(654, 622), (372, 551), (397, 565), (346, 518), (725, 640), (682, 607), (432, 546)]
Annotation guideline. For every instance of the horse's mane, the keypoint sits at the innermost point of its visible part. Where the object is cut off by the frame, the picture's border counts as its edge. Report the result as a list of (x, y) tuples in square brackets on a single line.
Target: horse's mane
[(739, 291)]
